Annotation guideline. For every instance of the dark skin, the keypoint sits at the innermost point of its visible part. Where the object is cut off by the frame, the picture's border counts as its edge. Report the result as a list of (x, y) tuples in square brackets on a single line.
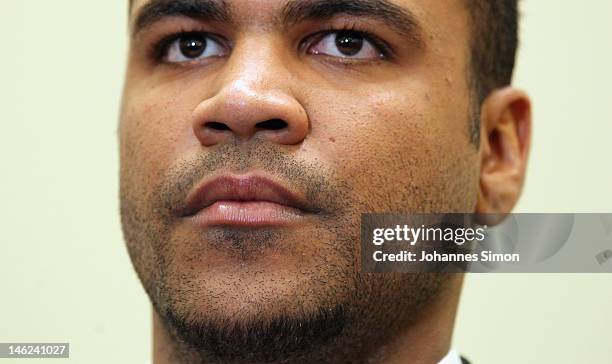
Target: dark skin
[(374, 123)]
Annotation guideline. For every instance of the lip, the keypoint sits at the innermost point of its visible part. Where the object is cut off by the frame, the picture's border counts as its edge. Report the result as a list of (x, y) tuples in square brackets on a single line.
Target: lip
[(245, 201)]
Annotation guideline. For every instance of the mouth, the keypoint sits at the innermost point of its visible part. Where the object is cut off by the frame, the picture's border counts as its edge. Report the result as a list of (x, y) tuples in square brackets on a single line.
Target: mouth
[(245, 201)]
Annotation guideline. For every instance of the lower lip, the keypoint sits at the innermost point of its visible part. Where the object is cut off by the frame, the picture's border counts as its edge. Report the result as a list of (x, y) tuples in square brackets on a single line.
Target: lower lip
[(247, 214)]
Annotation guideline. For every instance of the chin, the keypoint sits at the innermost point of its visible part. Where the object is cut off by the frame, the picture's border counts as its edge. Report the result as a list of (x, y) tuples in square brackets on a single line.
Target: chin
[(236, 286)]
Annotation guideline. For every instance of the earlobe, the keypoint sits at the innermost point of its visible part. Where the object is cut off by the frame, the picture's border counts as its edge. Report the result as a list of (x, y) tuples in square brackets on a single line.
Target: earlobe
[(505, 143)]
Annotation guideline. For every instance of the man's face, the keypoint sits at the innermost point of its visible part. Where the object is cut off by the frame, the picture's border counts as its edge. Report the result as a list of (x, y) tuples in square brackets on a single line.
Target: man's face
[(253, 134)]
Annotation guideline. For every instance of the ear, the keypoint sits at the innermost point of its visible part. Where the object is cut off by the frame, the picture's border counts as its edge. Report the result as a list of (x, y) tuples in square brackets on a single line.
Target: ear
[(504, 149)]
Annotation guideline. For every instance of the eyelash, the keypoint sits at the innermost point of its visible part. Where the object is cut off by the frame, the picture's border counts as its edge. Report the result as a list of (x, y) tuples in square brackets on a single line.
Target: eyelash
[(386, 50), (160, 47)]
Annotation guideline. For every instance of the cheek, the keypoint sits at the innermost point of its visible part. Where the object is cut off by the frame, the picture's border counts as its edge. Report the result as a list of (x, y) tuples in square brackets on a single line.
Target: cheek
[(400, 150), (154, 130)]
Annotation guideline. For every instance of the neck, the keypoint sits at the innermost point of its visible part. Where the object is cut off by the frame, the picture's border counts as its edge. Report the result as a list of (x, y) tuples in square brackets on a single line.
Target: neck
[(429, 339), (426, 341)]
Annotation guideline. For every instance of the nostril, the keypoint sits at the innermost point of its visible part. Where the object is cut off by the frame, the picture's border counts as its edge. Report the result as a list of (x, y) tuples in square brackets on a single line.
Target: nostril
[(216, 126), (273, 124)]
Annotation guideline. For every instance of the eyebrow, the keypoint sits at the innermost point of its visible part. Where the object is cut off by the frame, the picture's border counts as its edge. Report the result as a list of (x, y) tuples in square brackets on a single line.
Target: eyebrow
[(400, 19), (204, 10)]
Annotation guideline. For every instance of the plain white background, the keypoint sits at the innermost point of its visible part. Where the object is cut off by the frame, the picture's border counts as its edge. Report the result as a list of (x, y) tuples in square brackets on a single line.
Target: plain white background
[(64, 272)]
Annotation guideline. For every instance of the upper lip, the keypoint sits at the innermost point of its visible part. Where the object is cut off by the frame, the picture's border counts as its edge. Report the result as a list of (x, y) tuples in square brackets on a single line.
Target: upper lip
[(243, 188)]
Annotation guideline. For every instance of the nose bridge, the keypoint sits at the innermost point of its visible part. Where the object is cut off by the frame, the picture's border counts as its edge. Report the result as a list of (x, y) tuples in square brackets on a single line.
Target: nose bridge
[(255, 77), (255, 96), (256, 61)]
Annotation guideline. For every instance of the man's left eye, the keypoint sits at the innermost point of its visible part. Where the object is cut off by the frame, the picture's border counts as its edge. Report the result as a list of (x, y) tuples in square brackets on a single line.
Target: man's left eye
[(347, 44)]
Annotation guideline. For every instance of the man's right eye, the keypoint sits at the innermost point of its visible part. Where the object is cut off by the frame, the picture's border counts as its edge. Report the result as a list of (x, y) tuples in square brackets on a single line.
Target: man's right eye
[(192, 47)]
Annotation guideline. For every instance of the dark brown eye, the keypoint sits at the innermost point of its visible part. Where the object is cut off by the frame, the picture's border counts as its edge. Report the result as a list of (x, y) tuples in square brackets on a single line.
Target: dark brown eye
[(349, 43), (192, 46)]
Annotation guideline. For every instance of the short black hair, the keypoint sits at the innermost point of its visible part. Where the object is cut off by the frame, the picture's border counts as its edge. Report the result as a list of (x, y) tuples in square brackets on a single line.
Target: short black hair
[(493, 48), (494, 43)]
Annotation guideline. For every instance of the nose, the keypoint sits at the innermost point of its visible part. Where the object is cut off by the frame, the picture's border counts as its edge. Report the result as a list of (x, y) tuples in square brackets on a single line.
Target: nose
[(248, 106)]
